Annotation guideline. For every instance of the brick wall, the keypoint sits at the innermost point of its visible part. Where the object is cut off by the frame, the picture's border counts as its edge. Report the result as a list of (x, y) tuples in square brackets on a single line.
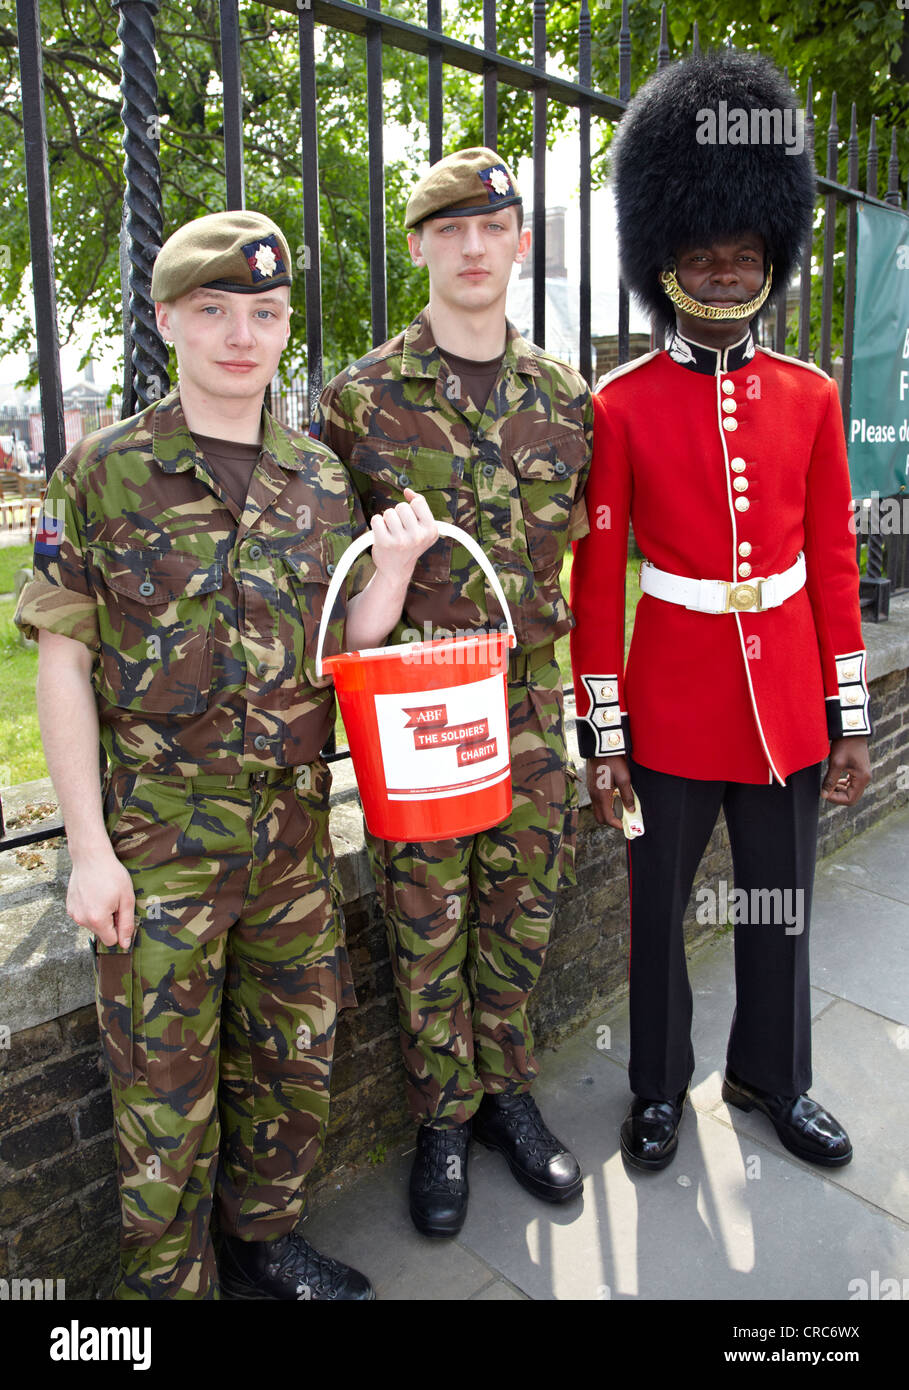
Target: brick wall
[(58, 1190), (58, 1213), (607, 351)]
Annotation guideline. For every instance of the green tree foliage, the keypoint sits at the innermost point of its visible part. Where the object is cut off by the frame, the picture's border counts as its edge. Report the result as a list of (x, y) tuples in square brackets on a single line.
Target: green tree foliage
[(85, 152), (859, 48)]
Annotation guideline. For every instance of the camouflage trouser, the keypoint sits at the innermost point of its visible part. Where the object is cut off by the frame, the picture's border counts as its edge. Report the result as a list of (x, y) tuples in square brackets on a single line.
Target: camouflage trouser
[(469, 919), (218, 1025)]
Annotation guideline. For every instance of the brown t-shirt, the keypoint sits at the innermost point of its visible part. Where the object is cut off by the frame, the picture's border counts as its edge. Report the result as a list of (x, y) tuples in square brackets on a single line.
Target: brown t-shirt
[(476, 378), (231, 463)]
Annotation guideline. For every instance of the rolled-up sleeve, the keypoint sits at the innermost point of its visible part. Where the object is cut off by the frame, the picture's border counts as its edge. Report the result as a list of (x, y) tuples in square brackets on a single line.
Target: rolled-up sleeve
[(59, 596)]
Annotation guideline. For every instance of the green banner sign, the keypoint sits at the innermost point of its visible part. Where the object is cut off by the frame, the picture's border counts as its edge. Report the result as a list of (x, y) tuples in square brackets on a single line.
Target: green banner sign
[(879, 419)]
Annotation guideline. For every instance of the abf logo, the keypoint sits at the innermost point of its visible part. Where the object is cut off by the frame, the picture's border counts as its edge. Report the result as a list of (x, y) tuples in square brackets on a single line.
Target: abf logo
[(902, 251)]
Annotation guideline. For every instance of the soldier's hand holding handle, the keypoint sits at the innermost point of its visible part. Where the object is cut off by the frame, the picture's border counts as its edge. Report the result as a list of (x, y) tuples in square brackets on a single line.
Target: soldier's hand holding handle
[(848, 771), (605, 777), (401, 533), (100, 894)]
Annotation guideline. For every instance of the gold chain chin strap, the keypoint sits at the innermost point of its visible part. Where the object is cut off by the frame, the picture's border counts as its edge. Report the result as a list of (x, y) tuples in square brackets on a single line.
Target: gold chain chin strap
[(709, 311)]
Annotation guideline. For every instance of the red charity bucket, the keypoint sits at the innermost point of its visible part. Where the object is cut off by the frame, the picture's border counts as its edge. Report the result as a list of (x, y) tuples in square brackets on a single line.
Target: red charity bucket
[(427, 722)]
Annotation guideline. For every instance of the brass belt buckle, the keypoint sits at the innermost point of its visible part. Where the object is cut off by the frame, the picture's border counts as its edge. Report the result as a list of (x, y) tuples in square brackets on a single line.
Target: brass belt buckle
[(743, 597)]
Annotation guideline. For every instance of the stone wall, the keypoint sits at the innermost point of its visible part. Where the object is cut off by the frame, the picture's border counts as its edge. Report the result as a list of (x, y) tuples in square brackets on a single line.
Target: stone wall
[(58, 1212), (58, 1190)]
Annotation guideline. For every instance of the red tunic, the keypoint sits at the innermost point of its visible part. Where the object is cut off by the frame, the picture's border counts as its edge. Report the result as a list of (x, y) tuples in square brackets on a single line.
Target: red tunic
[(747, 696)]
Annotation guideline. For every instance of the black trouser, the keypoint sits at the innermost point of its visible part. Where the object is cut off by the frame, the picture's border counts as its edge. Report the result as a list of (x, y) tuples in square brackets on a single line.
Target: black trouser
[(773, 835)]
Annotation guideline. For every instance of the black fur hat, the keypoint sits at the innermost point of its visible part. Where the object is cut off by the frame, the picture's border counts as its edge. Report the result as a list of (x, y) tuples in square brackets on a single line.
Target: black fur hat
[(672, 188)]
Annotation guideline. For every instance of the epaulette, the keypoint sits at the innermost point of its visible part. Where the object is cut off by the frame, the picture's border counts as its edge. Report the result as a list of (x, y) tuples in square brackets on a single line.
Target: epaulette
[(795, 362), (550, 360), (381, 353), (106, 439)]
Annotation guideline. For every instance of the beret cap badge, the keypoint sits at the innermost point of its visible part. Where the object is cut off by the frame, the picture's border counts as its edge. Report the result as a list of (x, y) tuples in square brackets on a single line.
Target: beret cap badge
[(265, 260), (497, 181)]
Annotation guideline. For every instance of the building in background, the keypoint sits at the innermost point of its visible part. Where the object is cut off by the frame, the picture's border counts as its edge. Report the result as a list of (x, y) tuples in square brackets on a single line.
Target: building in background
[(563, 306)]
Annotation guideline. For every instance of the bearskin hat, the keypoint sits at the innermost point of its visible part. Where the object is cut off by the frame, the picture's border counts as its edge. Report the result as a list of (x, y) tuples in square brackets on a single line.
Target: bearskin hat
[(682, 172)]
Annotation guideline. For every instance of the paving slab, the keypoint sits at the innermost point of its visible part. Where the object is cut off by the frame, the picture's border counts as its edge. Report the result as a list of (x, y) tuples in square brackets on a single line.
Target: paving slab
[(860, 947), (498, 1292), (861, 1074), (731, 1219), (875, 860)]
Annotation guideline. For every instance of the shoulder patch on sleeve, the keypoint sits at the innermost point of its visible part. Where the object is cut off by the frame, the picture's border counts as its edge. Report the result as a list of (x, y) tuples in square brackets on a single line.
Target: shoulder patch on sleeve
[(49, 532), (625, 368)]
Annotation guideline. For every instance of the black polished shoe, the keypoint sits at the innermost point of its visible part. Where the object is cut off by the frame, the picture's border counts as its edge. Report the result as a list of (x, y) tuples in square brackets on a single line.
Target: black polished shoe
[(514, 1126), (805, 1128), (286, 1268), (438, 1180), (650, 1132)]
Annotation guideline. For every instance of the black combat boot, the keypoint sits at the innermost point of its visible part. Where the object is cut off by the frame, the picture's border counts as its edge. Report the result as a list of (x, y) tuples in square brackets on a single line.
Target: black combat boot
[(514, 1126), (438, 1180), (286, 1268)]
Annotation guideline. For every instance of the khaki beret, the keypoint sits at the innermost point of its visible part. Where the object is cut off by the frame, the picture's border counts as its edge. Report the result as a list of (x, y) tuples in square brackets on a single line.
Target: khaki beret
[(243, 252), (461, 185)]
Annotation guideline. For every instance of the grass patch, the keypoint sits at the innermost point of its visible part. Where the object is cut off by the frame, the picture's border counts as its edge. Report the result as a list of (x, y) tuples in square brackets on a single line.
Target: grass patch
[(632, 594), (12, 558), (21, 754)]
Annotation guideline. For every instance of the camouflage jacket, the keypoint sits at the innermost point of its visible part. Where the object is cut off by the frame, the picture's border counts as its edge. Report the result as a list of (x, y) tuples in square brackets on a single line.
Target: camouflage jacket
[(511, 475), (203, 621)]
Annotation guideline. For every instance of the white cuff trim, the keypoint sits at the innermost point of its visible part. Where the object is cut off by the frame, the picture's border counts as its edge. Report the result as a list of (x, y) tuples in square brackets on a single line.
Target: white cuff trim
[(853, 693), (604, 715)]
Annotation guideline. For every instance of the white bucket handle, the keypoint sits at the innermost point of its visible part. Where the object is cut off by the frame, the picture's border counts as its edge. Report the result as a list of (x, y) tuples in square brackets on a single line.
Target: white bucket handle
[(365, 541)]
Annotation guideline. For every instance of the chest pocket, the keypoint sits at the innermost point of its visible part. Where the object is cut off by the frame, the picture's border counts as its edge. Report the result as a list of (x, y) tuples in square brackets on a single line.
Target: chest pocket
[(547, 474), (308, 570), (385, 469), (155, 616)]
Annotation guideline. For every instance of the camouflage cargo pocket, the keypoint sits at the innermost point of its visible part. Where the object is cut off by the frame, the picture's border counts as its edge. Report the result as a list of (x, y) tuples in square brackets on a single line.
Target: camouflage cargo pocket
[(308, 568), (548, 477), (438, 474), (115, 998)]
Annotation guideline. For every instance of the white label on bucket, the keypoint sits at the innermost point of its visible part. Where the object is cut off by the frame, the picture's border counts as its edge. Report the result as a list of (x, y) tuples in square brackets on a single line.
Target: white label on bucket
[(438, 743)]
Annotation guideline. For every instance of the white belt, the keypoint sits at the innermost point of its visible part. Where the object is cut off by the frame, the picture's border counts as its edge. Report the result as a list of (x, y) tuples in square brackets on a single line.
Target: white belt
[(721, 596)]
